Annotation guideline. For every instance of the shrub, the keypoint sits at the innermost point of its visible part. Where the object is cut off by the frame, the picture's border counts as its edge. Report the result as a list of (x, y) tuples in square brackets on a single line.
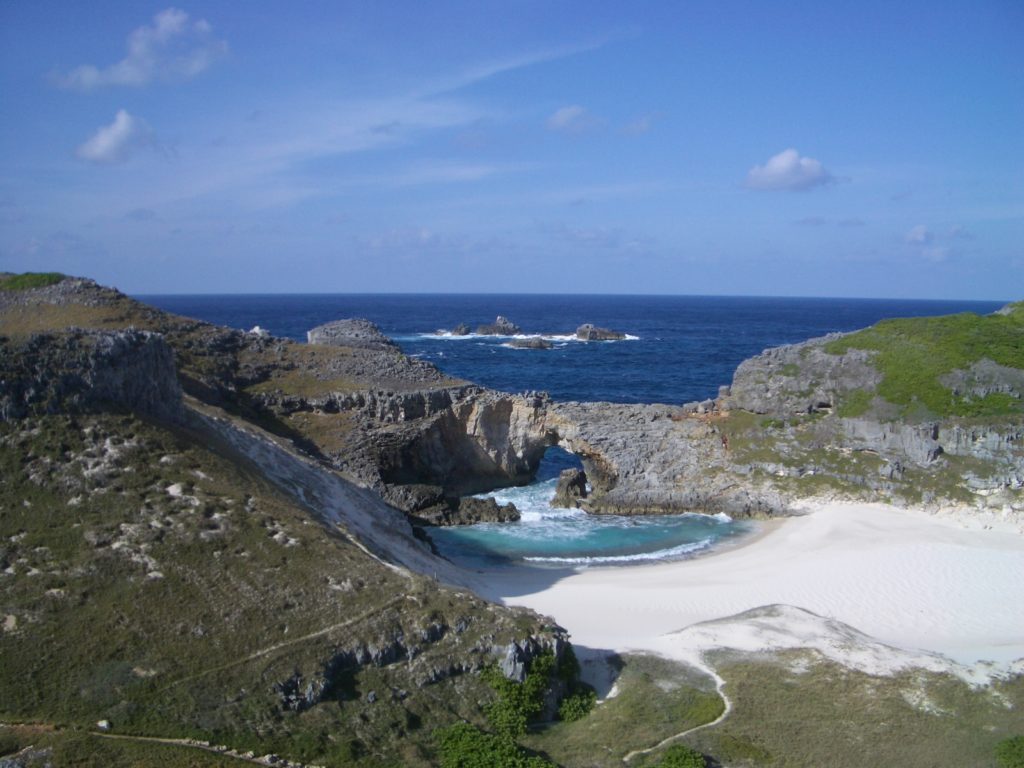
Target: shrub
[(28, 280), (577, 705), (681, 756), (466, 746), (1010, 752)]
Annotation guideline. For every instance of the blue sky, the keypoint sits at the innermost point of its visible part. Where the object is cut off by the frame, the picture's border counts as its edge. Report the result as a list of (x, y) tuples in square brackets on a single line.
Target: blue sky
[(750, 148)]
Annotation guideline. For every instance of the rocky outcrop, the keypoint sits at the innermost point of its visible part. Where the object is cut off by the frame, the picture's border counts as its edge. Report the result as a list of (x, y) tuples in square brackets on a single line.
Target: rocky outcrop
[(467, 511), (534, 342), (642, 459), (356, 333), (572, 486), (88, 371), (589, 332), (800, 378), (502, 326)]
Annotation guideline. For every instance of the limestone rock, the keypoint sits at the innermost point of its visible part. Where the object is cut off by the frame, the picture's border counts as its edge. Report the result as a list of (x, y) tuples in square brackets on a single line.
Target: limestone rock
[(572, 486), (590, 332), (534, 342), (502, 326), (354, 332)]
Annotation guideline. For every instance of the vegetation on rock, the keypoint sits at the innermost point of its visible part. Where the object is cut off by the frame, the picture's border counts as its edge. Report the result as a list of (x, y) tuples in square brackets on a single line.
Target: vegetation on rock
[(27, 280)]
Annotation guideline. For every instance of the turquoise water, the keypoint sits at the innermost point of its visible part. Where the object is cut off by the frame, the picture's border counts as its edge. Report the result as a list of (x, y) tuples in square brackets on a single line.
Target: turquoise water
[(546, 536)]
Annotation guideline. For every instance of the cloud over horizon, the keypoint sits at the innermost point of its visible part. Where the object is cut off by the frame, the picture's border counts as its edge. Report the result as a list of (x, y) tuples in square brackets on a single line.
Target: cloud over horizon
[(116, 142), (788, 171), (171, 49)]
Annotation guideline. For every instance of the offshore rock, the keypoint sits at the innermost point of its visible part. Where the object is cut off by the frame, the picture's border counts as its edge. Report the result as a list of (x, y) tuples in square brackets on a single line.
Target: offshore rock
[(589, 332), (572, 486), (354, 332), (502, 326), (534, 342)]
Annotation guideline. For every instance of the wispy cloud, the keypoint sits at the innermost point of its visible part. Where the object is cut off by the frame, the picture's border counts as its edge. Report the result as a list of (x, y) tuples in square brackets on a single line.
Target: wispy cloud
[(118, 141), (788, 171), (919, 235), (572, 119), (640, 125), (172, 48)]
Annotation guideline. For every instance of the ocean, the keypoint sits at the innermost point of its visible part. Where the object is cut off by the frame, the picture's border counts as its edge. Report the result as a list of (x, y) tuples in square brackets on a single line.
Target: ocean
[(678, 349)]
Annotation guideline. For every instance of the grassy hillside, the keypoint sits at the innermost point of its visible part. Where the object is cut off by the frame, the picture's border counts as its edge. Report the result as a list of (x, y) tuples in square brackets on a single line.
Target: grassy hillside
[(914, 355)]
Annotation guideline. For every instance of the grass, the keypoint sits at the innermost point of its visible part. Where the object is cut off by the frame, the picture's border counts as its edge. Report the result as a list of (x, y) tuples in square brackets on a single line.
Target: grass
[(801, 711), (27, 280), (912, 355), (657, 698), (86, 520)]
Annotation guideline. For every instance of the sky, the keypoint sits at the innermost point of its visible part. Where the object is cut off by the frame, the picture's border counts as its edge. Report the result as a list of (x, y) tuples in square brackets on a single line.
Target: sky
[(869, 149)]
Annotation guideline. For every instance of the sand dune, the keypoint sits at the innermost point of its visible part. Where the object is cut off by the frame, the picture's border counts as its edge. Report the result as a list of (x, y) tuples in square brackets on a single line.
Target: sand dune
[(905, 578)]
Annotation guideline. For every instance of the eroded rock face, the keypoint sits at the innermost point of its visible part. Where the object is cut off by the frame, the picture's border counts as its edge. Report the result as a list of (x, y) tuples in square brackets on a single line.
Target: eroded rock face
[(89, 370), (800, 378)]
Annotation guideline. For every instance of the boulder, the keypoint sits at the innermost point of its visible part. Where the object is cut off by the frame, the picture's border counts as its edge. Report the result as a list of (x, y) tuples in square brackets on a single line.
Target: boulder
[(572, 486), (501, 326), (467, 511), (460, 330), (589, 332)]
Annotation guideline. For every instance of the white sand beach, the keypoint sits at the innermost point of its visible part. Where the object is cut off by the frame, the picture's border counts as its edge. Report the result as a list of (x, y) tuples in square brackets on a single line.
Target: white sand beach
[(940, 584)]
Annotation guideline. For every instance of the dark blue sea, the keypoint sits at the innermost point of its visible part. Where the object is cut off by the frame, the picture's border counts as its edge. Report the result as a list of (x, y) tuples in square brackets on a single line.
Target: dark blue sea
[(679, 348), (684, 346)]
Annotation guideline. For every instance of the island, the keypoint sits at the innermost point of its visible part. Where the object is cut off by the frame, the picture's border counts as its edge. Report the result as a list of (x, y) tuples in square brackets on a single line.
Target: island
[(213, 551)]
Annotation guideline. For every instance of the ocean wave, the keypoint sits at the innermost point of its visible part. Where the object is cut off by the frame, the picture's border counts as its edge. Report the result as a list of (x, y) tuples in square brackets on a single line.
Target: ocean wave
[(661, 554)]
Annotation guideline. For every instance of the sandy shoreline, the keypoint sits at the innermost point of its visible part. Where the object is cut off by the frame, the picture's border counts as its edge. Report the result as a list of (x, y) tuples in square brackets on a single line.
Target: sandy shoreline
[(906, 578)]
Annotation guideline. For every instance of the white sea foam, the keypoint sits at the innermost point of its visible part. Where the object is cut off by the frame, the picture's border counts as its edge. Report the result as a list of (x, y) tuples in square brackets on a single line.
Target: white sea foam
[(563, 338), (662, 554)]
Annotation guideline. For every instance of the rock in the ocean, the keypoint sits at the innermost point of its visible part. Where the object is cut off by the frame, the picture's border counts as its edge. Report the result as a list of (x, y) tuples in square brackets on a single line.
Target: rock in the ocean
[(502, 326), (460, 330), (354, 332), (589, 332), (572, 486), (534, 342)]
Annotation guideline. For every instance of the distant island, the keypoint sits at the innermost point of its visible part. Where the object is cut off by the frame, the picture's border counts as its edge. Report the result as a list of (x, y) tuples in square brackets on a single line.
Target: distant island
[(214, 548)]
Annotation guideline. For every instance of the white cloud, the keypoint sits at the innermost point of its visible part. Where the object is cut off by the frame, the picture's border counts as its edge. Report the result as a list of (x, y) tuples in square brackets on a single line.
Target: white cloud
[(919, 235), (788, 171), (116, 142), (572, 119), (173, 48)]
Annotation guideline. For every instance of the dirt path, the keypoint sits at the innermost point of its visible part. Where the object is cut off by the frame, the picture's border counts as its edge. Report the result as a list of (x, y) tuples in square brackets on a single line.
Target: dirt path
[(719, 686)]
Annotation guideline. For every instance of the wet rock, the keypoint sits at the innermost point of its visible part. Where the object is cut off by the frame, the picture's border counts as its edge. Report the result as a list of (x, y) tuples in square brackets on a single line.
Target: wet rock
[(501, 326), (572, 486), (589, 332)]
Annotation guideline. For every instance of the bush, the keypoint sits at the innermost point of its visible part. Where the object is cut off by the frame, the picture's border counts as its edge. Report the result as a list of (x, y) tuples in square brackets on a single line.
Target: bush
[(577, 705), (1010, 752), (466, 746), (28, 280), (681, 756), (519, 703)]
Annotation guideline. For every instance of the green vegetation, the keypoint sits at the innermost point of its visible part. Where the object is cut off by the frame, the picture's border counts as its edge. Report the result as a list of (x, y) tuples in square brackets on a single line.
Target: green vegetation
[(656, 698), (180, 555), (802, 710), (466, 746), (27, 280), (1010, 752), (855, 403), (913, 354), (681, 756)]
